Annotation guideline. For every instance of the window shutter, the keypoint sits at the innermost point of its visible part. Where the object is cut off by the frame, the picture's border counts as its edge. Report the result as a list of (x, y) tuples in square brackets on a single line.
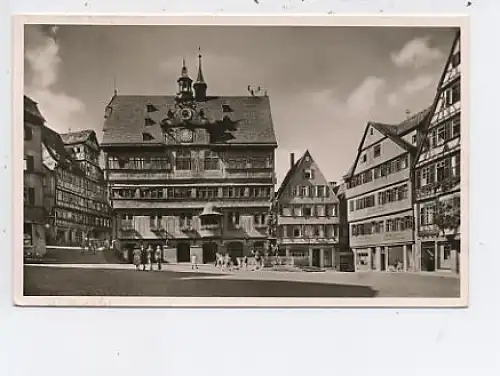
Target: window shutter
[(30, 163), (28, 134), (31, 196)]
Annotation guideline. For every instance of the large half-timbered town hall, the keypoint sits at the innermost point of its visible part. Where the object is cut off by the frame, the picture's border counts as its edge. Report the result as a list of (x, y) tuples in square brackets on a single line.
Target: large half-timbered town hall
[(193, 171)]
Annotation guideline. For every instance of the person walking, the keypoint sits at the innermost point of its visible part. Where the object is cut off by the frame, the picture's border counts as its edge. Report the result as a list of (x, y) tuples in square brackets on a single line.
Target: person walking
[(158, 256), (144, 257), (150, 257), (245, 262), (137, 258), (194, 262)]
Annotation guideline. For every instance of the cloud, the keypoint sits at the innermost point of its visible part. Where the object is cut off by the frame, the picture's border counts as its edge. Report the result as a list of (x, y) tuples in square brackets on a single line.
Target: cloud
[(410, 87), (43, 59), (364, 97), (416, 53)]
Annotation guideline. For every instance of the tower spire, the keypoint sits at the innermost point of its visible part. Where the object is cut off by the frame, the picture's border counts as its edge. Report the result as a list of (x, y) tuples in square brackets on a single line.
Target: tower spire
[(200, 86)]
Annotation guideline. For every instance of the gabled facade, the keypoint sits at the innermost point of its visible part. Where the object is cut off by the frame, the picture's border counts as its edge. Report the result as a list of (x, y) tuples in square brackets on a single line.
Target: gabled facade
[(308, 224), (76, 203), (85, 150), (33, 192), (437, 175), (191, 172), (379, 194)]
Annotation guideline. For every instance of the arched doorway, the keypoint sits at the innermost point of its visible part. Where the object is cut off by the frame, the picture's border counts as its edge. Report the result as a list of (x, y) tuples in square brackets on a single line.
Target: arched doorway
[(235, 249), (183, 252), (209, 251)]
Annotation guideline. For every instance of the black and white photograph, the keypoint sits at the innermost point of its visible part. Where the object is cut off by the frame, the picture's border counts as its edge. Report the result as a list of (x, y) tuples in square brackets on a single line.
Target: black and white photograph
[(212, 162)]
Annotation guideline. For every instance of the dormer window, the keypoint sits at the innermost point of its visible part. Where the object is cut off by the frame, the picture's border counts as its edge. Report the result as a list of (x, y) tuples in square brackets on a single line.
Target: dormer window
[(226, 108), (376, 151), (151, 108), (148, 122), (147, 137)]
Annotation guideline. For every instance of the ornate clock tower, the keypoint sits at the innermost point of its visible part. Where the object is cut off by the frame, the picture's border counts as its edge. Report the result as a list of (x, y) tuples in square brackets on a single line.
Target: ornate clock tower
[(185, 92)]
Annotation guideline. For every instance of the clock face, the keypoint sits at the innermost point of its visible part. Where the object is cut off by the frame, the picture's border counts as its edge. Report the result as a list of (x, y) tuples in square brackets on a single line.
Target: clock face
[(186, 135), (186, 114)]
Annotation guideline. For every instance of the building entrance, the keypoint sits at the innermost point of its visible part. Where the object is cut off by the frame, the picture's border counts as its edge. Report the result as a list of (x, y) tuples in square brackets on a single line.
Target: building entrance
[(428, 257), (316, 257), (209, 251), (183, 252)]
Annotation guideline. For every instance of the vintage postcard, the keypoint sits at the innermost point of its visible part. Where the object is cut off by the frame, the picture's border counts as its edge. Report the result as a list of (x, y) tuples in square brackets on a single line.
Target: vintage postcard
[(241, 161)]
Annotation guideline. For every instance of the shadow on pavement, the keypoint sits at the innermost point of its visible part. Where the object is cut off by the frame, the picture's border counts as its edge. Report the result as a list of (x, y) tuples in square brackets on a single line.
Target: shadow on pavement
[(46, 281)]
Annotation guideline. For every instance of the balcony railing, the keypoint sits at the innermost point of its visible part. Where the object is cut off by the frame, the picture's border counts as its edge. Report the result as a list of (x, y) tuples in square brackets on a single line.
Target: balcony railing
[(438, 187)]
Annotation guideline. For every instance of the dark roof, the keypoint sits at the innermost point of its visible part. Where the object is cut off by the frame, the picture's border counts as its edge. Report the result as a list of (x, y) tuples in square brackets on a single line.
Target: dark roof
[(31, 107), (76, 137), (125, 122), (55, 145), (289, 175), (395, 132)]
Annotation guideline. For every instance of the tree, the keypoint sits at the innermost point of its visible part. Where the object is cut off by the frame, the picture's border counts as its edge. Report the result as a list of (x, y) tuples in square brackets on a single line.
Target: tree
[(447, 215)]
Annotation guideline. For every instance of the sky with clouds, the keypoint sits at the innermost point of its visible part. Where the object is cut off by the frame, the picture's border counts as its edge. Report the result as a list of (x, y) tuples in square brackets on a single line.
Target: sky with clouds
[(324, 83)]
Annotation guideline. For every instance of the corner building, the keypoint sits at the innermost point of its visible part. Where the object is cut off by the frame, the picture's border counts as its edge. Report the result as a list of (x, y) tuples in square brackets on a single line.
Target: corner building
[(33, 182), (191, 172), (437, 175), (379, 193)]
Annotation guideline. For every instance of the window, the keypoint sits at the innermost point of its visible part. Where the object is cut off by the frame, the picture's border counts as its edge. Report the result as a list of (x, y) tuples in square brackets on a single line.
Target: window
[(183, 160), (147, 137), (414, 139), (259, 219), (427, 215), (376, 151), (286, 211), (29, 163), (351, 205), (455, 127), (296, 232), (320, 191), (452, 94), (28, 133), (308, 211), (320, 210), (308, 174), (304, 191), (297, 211), (371, 131), (363, 158), (29, 196), (185, 220), (234, 219), (211, 160)]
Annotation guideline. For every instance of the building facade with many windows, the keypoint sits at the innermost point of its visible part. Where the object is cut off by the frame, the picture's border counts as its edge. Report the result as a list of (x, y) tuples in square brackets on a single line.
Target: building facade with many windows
[(190, 172), (76, 199), (379, 193), (308, 226), (437, 175), (33, 183)]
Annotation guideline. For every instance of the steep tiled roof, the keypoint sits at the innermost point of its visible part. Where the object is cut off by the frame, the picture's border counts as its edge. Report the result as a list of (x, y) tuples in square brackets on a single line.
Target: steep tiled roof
[(76, 137), (55, 146), (289, 175), (395, 133), (125, 122), (31, 107)]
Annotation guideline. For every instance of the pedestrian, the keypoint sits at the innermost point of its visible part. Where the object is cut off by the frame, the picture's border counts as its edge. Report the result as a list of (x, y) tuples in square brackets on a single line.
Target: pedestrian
[(217, 257), (194, 262), (137, 258), (144, 257), (245, 262), (158, 256), (150, 257), (227, 262), (257, 260)]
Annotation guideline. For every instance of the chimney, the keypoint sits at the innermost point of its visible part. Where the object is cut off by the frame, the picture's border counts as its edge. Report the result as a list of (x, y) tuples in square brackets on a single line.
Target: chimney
[(292, 160), (333, 184)]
